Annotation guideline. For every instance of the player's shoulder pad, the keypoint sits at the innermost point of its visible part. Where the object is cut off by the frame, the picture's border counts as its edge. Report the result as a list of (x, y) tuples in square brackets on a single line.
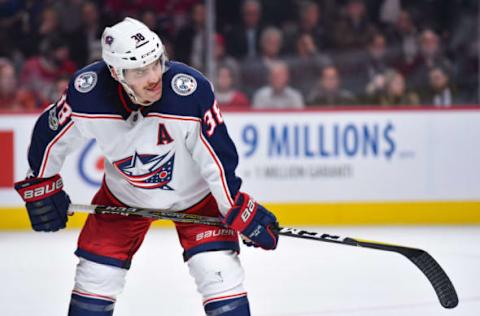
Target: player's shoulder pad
[(185, 80), (91, 88), (187, 89)]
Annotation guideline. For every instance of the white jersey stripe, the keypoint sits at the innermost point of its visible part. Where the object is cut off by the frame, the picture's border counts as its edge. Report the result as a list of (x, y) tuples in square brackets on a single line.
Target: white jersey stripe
[(175, 117), (97, 116)]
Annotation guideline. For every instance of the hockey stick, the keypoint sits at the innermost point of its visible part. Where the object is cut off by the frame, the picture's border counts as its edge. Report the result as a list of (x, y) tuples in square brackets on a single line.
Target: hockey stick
[(425, 262)]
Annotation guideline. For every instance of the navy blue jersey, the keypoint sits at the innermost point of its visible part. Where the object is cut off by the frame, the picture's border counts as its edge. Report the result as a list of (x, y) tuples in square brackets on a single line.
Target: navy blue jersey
[(168, 155)]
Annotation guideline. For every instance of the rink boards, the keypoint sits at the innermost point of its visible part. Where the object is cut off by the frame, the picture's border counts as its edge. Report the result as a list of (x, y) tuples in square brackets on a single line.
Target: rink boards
[(364, 166)]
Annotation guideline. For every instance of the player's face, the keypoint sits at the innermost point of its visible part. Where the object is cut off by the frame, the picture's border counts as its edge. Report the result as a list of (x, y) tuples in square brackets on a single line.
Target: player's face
[(146, 82)]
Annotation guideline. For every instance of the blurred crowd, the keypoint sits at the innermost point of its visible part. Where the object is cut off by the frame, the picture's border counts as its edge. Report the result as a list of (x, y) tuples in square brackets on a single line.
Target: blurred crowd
[(268, 53)]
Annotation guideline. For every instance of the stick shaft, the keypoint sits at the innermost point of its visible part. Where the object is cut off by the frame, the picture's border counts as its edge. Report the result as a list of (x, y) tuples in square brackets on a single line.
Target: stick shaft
[(430, 268)]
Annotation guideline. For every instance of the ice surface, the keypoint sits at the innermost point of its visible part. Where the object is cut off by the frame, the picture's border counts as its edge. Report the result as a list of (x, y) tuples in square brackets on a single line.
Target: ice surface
[(300, 278)]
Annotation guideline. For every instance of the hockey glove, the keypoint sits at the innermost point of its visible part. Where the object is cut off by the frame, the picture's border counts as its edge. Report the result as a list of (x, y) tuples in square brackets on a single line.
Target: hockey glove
[(46, 202), (254, 222)]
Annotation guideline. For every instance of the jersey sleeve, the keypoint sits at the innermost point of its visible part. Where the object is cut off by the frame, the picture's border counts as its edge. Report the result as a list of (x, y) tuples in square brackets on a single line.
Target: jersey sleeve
[(214, 151), (53, 138)]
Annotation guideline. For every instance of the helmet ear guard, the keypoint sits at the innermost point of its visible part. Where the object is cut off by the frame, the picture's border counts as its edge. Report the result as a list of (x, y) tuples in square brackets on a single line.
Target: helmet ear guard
[(131, 44)]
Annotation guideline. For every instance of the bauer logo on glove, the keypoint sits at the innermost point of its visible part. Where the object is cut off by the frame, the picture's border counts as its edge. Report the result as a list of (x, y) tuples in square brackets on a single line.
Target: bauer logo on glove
[(46, 202), (253, 221), (30, 191), (248, 211)]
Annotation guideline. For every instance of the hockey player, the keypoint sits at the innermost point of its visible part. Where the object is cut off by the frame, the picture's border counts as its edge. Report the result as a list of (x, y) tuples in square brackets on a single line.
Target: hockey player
[(166, 146)]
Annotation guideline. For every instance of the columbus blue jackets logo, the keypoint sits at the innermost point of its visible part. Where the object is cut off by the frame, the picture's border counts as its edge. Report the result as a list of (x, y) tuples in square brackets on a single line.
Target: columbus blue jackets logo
[(147, 171)]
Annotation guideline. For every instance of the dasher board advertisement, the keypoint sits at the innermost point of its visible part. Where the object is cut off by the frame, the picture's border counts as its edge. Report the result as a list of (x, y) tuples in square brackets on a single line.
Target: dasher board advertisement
[(309, 156)]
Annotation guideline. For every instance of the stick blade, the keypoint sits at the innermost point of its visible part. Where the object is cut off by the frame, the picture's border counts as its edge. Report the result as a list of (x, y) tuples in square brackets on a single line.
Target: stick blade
[(436, 275)]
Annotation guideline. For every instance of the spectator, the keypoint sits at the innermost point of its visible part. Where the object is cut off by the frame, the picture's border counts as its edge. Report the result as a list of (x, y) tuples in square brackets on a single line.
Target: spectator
[(173, 13), (278, 94), (389, 11), (222, 59), (429, 57), (328, 91), (403, 37), (271, 44), (355, 29), (13, 98), (453, 46), (306, 64), (68, 14), (352, 34), (40, 72), (42, 26), (11, 18), (243, 40), (149, 17), (49, 23), (463, 46), (191, 39), (440, 94), (255, 70), (225, 92), (59, 88), (169, 46), (92, 29), (375, 65), (377, 60), (394, 92), (83, 40), (310, 23)]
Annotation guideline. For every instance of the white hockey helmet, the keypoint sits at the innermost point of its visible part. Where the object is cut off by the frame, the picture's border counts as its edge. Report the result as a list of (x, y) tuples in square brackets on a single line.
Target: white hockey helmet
[(131, 44)]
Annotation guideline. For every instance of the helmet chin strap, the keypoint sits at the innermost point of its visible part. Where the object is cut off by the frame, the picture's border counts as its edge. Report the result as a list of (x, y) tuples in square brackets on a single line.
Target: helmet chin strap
[(121, 78), (118, 75), (132, 94)]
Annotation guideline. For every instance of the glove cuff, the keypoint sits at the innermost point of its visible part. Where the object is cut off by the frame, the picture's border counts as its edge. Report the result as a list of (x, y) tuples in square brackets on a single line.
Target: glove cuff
[(36, 189), (241, 214)]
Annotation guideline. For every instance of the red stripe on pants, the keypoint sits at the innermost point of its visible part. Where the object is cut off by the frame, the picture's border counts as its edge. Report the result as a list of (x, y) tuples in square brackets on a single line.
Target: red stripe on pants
[(6, 165)]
